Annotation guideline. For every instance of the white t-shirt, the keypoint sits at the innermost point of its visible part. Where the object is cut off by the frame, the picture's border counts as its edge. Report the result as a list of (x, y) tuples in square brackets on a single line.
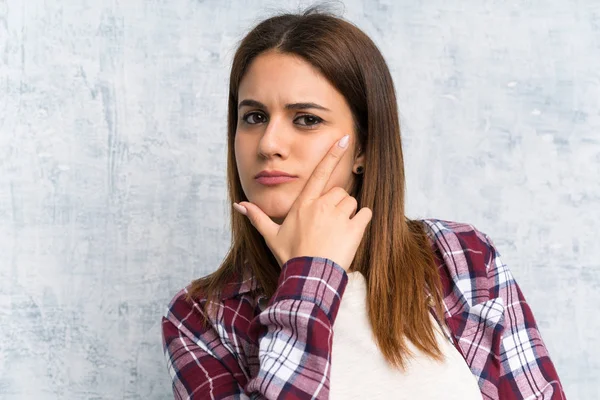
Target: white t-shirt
[(359, 370)]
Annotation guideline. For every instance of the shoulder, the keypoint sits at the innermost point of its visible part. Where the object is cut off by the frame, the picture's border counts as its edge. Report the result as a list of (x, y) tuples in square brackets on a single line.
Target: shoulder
[(180, 302), (188, 310), (235, 285), (452, 234), (184, 313), (468, 260), (190, 338), (460, 241), (187, 320), (193, 311)]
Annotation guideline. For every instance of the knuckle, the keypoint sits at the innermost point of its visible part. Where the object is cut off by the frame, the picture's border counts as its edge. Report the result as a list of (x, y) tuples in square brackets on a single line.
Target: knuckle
[(322, 206), (299, 209), (339, 191)]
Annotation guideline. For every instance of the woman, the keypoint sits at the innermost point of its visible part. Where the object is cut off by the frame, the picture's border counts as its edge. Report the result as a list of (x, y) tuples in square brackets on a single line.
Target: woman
[(315, 299)]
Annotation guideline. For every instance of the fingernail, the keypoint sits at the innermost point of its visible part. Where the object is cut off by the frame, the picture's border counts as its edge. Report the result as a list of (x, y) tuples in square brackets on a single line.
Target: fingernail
[(240, 209), (343, 143)]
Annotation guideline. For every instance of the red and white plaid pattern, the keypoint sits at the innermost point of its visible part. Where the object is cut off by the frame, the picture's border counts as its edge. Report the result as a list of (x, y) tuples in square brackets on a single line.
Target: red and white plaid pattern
[(284, 351)]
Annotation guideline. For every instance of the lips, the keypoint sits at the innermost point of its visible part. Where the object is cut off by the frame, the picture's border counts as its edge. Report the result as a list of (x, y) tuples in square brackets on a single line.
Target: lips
[(274, 180), (273, 173)]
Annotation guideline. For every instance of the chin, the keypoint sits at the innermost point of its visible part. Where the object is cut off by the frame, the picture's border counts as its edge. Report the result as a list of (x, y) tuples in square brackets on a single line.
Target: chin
[(276, 208)]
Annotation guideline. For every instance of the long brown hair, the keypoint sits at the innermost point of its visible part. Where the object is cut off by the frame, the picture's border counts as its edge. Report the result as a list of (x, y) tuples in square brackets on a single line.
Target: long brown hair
[(394, 256)]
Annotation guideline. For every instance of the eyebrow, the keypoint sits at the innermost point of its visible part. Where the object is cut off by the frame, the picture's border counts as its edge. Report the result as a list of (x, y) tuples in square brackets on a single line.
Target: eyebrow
[(292, 106)]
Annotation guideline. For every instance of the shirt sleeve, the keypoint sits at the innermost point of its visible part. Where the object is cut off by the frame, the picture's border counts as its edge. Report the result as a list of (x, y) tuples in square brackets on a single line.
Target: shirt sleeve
[(526, 370), (294, 335)]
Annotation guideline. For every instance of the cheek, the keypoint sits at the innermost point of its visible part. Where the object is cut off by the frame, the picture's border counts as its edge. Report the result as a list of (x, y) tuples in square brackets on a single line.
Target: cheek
[(241, 153), (312, 152), (341, 175)]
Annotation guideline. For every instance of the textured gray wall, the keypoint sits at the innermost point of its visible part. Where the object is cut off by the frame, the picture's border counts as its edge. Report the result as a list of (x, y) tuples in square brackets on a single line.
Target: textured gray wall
[(112, 168)]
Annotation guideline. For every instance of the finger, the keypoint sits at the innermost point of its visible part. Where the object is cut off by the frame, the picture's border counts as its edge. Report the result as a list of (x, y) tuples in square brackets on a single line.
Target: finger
[(334, 196), (320, 176), (362, 218), (261, 221), (348, 206)]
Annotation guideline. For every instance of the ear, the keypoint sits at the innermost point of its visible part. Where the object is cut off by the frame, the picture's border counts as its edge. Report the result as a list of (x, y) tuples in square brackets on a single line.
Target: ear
[(360, 160)]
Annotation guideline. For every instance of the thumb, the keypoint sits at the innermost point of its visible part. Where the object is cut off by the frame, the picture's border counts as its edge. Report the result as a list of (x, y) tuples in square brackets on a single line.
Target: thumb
[(261, 221)]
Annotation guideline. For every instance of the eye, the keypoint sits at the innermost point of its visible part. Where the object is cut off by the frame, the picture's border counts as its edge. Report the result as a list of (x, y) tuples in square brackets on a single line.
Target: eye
[(309, 120), (254, 118)]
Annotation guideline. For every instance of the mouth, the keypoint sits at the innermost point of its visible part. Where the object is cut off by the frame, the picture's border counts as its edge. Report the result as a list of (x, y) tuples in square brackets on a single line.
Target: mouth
[(274, 180), (274, 177)]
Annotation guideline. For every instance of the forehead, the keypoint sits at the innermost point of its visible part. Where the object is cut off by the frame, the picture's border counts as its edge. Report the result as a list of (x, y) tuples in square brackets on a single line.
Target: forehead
[(277, 77)]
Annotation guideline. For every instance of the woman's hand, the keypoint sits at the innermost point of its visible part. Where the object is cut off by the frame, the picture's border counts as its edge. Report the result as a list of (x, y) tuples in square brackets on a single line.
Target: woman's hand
[(316, 226)]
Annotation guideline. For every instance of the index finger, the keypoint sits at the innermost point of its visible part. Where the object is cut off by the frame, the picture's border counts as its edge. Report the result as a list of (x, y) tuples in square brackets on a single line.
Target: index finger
[(320, 176)]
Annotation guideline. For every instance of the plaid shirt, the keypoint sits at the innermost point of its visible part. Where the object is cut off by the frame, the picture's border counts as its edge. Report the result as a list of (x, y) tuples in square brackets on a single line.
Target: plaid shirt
[(284, 351)]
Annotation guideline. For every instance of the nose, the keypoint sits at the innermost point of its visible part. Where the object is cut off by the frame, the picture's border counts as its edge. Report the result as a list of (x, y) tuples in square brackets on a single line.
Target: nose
[(275, 139)]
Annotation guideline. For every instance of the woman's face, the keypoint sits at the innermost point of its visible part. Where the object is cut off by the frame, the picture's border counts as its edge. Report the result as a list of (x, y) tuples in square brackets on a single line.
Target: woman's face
[(289, 116)]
